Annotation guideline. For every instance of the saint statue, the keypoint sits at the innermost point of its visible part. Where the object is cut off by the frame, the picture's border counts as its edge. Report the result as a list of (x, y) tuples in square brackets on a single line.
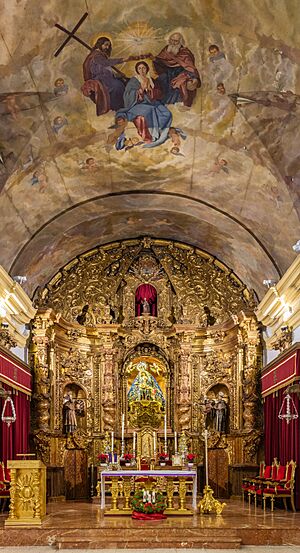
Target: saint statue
[(69, 413), (221, 413), (145, 307), (209, 412)]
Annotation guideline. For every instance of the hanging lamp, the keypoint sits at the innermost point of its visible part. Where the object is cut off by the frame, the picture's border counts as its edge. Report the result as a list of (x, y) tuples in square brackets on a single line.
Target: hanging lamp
[(288, 411)]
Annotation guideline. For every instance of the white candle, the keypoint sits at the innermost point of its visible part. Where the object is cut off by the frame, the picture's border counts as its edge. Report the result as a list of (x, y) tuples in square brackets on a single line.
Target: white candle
[(123, 426), (206, 457), (166, 433), (154, 443), (112, 443), (134, 442), (175, 442)]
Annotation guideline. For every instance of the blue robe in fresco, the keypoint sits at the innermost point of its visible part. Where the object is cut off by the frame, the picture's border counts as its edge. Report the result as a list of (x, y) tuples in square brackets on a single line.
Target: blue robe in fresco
[(157, 116)]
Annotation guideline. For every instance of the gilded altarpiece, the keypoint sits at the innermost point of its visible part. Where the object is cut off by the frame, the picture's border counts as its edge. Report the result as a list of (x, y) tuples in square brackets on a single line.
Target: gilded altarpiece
[(88, 345)]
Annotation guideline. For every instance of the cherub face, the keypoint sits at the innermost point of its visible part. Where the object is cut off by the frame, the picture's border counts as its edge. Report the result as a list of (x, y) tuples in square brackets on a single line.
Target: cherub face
[(90, 162), (59, 83), (213, 50)]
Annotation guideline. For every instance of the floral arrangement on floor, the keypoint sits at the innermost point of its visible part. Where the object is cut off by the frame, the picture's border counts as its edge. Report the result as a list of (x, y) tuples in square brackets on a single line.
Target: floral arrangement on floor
[(190, 457), (148, 505), (102, 457)]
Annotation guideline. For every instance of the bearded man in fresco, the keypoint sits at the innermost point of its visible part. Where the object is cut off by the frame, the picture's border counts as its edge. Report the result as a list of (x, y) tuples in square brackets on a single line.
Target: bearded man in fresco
[(178, 76), (104, 83)]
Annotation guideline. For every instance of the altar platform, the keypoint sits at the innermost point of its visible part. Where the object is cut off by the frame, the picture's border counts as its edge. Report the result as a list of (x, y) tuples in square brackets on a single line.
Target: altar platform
[(71, 525)]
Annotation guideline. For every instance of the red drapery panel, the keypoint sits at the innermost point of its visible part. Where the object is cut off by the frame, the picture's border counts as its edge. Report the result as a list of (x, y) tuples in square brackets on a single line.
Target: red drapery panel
[(15, 373), (281, 373), (15, 438), (148, 292), (282, 440)]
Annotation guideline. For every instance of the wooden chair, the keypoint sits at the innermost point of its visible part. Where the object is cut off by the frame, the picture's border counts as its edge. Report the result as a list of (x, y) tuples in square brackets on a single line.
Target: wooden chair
[(258, 484), (282, 488), (249, 480)]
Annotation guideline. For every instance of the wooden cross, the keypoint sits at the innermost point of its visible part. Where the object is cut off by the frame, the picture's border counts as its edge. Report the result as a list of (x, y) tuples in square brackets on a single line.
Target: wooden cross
[(71, 34)]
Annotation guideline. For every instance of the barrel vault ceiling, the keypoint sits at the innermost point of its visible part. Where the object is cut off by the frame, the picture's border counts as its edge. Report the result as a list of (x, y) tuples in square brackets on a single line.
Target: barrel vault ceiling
[(227, 183)]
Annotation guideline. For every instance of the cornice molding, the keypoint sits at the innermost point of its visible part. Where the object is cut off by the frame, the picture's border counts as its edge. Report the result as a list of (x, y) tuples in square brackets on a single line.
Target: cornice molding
[(281, 305), (16, 308)]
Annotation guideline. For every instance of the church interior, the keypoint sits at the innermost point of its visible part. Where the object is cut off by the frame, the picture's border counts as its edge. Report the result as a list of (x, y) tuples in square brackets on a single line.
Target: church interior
[(149, 283)]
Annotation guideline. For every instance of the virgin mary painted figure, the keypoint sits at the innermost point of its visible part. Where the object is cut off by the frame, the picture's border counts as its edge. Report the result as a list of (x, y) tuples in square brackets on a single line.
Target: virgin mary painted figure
[(141, 106), (145, 387)]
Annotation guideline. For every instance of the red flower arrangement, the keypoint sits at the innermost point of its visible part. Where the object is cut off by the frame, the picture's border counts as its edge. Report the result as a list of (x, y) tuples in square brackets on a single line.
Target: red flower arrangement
[(128, 457), (190, 457), (102, 457), (163, 457)]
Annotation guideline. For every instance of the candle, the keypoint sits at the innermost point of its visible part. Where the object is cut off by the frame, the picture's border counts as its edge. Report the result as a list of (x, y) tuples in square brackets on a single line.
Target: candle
[(206, 458), (153, 496), (123, 426), (134, 442), (112, 442), (122, 440), (175, 442), (154, 443), (166, 449)]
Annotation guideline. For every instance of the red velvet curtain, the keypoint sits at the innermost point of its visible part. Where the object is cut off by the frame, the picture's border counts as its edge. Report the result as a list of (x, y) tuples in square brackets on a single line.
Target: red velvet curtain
[(15, 438), (149, 292), (282, 439)]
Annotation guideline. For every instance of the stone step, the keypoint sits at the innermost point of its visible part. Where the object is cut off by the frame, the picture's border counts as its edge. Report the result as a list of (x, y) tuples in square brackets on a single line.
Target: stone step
[(133, 541)]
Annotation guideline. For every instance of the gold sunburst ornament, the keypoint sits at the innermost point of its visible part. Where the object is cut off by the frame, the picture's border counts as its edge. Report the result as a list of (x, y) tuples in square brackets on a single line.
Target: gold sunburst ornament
[(137, 38), (25, 487)]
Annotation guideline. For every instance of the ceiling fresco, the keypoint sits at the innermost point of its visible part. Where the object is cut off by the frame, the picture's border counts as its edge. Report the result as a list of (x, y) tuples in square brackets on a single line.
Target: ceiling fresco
[(153, 118)]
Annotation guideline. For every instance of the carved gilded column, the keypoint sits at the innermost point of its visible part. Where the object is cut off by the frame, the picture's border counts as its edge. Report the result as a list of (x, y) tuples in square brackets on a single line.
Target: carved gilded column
[(252, 360), (42, 382), (97, 359), (108, 391), (184, 391), (40, 361)]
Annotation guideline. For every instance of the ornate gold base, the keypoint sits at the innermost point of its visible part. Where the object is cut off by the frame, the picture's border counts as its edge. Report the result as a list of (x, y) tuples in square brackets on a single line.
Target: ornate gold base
[(118, 512), (181, 512), (25, 522), (209, 504)]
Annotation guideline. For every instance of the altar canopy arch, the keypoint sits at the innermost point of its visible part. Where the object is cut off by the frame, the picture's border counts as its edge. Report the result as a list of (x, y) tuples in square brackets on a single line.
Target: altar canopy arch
[(146, 292)]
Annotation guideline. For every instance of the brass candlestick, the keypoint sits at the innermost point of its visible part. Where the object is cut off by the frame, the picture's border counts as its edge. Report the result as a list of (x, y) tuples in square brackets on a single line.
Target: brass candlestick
[(208, 504)]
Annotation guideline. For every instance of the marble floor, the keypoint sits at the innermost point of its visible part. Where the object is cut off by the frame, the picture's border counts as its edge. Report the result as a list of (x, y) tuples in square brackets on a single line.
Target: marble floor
[(83, 526), (243, 549)]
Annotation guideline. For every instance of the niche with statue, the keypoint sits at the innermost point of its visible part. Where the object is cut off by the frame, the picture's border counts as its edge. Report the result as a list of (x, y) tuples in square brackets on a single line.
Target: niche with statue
[(216, 409), (74, 408)]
